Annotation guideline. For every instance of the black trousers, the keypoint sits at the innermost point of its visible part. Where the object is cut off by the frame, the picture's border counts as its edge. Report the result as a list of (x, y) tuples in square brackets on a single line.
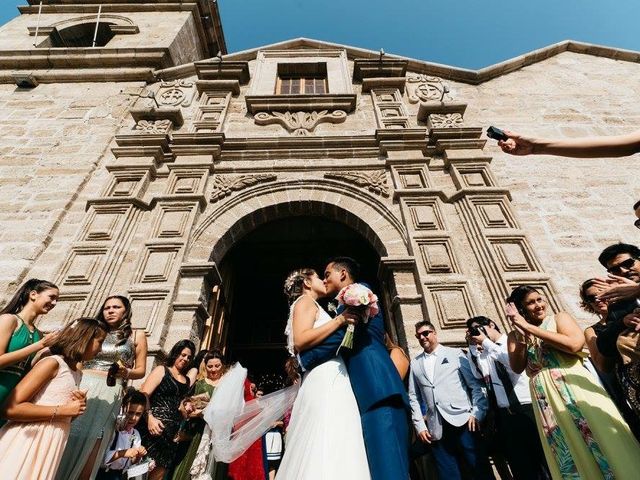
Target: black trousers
[(520, 441)]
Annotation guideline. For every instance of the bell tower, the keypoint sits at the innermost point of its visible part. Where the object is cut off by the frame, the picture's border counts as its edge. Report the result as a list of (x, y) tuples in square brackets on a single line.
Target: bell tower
[(107, 40)]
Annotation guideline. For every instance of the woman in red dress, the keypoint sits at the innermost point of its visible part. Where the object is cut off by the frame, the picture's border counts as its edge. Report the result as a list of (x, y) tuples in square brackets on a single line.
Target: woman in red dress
[(250, 466)]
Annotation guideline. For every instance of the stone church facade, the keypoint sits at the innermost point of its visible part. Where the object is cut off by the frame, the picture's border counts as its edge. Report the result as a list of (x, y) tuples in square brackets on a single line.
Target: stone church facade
[(137, 165)]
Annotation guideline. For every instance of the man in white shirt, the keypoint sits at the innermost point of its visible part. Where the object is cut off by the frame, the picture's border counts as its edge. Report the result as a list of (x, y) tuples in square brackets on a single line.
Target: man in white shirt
[(510, 395), (454, 401)]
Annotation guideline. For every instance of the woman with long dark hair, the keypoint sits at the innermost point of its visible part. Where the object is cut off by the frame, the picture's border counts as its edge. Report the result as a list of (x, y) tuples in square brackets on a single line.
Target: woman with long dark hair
[(91, 433), (166, 386), (583, 434), (20, 340)]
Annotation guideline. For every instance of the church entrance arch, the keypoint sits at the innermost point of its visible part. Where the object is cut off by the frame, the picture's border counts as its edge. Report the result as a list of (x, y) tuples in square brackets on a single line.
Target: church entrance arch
[(253, 272), (253, 242)]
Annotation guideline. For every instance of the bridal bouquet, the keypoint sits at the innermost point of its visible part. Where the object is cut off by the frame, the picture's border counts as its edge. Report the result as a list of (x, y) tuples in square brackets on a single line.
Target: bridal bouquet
[(362, 299)]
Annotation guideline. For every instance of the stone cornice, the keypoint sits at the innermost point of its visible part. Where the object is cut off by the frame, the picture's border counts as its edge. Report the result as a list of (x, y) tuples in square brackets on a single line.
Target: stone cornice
[(220, 70), (381, 67), (81, 75), (292, 103), (68, 58)]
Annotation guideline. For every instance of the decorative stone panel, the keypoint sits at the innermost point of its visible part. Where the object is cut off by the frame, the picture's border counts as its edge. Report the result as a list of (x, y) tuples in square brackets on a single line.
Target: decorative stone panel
[(224, 185), (411, 177), (514, 254), (451, 304), (424, 88), (437, 255), (103, 222), (148, 306), (493, 212), (184, 180), (176, 93), (127, 182), (156, 262), (82, 265), (172, 220), (153, 126), (212, 110), (374, 181), (425, 214), (390, 111), (300, 123)]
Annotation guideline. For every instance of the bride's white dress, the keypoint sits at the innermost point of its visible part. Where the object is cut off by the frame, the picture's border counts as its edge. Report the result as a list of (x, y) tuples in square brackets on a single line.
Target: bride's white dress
[(324, 439)]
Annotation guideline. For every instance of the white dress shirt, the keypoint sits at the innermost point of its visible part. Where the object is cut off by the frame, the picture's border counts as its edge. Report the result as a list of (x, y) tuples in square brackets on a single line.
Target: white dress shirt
[(126, 440), (430, 363), (498, 353)]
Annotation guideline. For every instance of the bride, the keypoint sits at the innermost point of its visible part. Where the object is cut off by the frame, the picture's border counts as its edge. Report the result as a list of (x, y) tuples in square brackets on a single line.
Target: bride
[(324, 439)]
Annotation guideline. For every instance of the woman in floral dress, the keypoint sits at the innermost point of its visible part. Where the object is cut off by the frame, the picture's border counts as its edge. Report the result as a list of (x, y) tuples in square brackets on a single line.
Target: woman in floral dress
[(582, 432)]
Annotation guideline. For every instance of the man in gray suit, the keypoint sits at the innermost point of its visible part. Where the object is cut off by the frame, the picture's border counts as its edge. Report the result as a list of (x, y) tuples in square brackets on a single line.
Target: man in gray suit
[(454, 403)]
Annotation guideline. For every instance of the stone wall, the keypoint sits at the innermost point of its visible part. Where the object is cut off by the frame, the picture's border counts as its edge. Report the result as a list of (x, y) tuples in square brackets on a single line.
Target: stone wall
[(570, 208), (53, 140)]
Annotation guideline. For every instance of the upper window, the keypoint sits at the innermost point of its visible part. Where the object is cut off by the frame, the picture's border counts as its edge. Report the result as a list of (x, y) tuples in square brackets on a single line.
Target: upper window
[(301, 79), (81, 35)]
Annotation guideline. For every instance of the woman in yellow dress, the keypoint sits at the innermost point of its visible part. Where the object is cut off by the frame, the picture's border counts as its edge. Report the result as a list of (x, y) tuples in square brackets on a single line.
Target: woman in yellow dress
[(583, 435)]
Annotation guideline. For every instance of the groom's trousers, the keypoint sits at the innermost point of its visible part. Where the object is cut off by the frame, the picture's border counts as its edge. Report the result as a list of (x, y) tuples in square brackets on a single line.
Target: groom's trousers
[(385, 427)]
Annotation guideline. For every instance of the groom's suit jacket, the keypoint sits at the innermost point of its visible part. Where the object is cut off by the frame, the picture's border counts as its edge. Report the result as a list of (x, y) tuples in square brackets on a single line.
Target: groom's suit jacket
[(453, 395), (373, 376)]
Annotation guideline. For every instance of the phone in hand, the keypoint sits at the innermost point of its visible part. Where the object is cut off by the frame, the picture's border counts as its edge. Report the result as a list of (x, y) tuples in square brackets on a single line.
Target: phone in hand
[(496, 133)]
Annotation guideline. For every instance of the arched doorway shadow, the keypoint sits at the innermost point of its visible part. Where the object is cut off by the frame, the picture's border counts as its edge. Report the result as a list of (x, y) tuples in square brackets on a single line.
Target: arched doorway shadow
[(253, 271)]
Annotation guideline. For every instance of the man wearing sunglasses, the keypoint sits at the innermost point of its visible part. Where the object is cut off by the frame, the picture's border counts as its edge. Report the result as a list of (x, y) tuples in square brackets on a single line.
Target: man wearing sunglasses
[(454, 401), (622, 262)]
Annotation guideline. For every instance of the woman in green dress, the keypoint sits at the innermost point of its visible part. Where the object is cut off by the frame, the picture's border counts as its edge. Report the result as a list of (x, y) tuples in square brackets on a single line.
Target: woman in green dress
[(582, 432), (210, 373), (20, 340)]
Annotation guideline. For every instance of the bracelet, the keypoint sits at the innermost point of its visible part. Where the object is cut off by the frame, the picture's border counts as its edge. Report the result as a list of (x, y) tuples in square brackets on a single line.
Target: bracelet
[(55, 412)]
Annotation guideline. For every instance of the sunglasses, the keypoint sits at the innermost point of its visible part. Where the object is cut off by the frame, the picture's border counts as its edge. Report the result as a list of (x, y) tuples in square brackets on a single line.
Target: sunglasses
[(424, 333), (637, 223), (626, 264), (590, 298)]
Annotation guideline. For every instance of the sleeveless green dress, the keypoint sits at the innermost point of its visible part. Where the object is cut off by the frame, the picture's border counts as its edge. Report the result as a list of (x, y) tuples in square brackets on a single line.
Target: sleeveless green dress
[(12, 374)]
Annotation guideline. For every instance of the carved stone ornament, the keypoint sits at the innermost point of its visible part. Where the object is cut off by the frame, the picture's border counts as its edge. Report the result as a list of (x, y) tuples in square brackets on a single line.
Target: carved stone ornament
[(375, 181), (424, 88), (153, 126), (445, 120), (176, 93), (224, 185), (300, 123)]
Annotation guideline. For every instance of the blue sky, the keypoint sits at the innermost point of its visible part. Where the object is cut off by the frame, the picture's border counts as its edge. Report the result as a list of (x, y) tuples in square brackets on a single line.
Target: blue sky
[(464, 33)]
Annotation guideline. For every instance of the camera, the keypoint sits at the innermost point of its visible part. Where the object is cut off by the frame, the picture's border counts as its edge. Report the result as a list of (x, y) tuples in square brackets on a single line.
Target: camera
[(619, 310), (496, 133), (475, 331)]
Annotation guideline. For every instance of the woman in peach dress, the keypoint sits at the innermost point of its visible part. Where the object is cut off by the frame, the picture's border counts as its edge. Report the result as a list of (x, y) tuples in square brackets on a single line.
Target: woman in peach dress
[(42, 405)]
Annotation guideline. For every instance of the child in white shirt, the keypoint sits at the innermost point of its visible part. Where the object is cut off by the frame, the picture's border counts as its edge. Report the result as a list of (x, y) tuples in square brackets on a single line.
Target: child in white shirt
[(126, 447)]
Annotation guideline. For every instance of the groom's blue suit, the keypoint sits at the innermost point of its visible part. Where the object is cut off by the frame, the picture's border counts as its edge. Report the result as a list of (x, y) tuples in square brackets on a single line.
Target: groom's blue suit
[(381, 396)]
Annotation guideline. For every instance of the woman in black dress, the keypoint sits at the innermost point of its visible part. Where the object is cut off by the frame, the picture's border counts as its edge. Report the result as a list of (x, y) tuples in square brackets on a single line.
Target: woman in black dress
[(165, 387)]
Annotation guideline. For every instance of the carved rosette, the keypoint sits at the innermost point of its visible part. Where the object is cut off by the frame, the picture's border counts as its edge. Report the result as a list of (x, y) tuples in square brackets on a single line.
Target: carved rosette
[(177, 93), (374, 181), (225, 185), (153, 126), (445, 120), (300, 123), (424, 88)]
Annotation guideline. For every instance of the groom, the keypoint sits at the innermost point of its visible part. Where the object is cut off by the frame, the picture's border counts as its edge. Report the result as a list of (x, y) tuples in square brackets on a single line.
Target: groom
[(381, 397)]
